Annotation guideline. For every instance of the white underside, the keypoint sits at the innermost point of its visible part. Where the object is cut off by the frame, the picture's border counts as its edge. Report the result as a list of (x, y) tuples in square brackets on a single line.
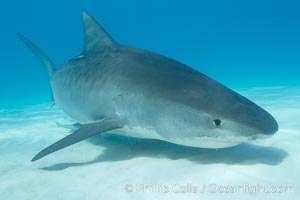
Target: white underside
[(200, 142)]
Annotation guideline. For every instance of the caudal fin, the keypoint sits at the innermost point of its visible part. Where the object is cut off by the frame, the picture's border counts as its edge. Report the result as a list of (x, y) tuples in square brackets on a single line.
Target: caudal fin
[(40, 55)]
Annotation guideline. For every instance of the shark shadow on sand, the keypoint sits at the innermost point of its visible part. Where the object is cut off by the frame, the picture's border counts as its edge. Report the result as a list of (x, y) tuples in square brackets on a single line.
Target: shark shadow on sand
[(119, 148)]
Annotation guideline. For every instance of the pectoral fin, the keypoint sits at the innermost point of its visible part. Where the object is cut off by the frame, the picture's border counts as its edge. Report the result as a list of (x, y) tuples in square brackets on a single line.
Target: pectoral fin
[(84, 132)]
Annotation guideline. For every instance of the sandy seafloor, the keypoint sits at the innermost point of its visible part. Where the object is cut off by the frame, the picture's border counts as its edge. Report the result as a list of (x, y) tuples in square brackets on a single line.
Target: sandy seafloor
[(114, 167)]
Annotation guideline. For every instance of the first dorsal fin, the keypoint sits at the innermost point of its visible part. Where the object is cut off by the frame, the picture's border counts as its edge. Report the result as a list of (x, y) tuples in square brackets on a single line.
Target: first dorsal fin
[(96, 38)]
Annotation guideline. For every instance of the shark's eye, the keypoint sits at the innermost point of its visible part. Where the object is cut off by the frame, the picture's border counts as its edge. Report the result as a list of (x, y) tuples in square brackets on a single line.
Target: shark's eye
[(217, 122)]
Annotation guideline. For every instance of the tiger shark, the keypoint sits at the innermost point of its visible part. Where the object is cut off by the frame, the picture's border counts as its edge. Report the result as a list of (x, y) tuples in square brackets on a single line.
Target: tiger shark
[(127, 91)]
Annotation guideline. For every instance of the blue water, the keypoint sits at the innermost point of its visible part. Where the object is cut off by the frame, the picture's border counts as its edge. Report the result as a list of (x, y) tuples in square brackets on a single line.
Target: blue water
[(241, 44)]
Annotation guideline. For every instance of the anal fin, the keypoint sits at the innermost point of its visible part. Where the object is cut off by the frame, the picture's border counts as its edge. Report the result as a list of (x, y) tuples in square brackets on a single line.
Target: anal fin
[(84, 132)]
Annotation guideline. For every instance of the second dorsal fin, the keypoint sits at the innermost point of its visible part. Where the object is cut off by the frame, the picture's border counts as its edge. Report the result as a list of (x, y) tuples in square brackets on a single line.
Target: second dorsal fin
[(96, 38)]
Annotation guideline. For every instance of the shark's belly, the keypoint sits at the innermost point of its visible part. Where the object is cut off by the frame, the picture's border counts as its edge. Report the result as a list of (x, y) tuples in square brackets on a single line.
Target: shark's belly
[(138, 132), (149, 133)]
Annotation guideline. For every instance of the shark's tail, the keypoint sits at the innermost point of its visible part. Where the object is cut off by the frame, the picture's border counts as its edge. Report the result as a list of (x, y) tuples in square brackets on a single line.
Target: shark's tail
[(40, 55)]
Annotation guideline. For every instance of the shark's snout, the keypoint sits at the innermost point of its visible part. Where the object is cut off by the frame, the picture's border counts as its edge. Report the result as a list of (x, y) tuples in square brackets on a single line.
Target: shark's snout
[(267, 132), (260, 122), (267, 126), (271, 127)]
